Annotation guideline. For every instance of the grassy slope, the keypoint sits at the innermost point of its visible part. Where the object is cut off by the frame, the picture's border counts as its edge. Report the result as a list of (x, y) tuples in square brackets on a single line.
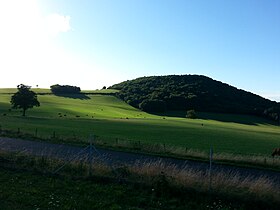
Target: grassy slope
[(106, 117)]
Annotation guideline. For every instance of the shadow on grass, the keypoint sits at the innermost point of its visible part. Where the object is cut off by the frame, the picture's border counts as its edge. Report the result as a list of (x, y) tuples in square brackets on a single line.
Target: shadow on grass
[(236, 118), (222, 117), (80, 96)]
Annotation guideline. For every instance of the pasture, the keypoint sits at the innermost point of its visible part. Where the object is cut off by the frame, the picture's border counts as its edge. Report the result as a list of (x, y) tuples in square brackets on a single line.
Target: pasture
[(109, 118)]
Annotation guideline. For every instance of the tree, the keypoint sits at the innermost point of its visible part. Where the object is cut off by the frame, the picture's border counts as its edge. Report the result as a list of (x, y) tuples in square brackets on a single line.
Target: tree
[(65, 89), (24, 99), (191, 114)]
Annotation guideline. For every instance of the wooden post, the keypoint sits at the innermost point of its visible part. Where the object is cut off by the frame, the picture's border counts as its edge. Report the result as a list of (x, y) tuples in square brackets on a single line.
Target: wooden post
[(90, 155), (18, 130), (36, 132), (210, 169), (54, 134)]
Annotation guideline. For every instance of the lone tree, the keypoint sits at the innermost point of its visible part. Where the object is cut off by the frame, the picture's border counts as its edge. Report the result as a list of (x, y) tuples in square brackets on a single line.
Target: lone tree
[(24, 99), (191, 114)]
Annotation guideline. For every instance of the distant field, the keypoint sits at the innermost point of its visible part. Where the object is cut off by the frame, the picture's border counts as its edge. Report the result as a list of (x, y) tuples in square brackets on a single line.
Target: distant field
[(111, 118)]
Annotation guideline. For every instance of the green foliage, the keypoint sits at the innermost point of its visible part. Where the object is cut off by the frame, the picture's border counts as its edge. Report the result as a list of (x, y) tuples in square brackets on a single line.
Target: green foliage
[(273, 113), (24, 99), (185, 92), (191, 114), (65, 89)]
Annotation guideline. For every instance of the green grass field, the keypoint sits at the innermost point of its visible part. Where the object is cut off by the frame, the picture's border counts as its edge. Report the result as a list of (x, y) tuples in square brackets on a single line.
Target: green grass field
[(111, 118)]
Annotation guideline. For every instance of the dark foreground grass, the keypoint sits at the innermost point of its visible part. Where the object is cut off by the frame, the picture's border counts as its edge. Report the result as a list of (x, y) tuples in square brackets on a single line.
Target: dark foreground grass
[(29, 183), (26, 190)]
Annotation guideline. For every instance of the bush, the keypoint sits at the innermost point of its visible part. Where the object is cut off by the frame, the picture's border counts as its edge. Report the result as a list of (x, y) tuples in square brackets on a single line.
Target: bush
[(191, 114), (65, 89)]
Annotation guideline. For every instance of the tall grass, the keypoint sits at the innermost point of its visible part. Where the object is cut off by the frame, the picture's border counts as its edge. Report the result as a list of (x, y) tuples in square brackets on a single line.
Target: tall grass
[(160, 176), (223, 183)]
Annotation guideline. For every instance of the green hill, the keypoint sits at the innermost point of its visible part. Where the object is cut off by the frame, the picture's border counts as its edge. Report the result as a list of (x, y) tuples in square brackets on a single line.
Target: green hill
[(73, 119), (185, 92)]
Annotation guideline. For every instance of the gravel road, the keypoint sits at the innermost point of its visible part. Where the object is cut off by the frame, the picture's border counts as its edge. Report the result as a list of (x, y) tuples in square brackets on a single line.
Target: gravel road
[(68, 152)]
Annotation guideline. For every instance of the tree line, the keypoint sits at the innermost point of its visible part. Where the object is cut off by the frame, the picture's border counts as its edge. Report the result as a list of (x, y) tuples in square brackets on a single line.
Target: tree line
[(65, 89), (193, 92)]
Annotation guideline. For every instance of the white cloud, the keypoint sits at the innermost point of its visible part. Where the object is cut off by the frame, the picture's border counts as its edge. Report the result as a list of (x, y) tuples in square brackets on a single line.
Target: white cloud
[(27, 51), (56, 23), (29, 54)]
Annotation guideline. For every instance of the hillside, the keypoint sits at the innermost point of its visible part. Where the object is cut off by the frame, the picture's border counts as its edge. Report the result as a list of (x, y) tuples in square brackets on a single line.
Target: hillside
[(201, 93), (74, 118)]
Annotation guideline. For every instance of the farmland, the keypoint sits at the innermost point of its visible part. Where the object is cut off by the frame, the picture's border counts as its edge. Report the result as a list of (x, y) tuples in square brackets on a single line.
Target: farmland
[(109, 118), (72, 118)]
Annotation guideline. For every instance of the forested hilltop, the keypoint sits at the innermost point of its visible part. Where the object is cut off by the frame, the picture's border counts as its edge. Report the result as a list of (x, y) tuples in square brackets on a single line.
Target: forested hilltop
[(186, 92)]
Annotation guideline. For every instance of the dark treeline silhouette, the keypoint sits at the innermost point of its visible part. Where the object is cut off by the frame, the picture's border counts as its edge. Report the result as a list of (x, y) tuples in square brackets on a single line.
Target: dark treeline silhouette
[(65, 89), (68, 91), (193, 92)]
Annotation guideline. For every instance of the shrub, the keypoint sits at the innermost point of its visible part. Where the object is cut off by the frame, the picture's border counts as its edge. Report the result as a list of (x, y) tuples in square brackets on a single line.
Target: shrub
[(65, 89), (191, 114)]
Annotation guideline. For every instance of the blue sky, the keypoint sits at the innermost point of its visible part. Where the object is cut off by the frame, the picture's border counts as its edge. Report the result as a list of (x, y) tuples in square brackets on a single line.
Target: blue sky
[(92, 43)]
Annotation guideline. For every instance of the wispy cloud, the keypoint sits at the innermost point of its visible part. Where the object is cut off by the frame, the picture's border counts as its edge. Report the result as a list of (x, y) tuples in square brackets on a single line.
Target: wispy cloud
[(28, 52), (57, 23)]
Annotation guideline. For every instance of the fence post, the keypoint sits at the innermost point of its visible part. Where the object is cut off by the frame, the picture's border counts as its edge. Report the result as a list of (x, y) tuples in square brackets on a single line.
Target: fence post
[(36, 132), (90, 155), (210, 169)]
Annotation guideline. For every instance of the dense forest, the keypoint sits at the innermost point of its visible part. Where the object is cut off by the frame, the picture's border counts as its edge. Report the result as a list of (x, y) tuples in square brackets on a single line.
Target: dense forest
[(193, 92)]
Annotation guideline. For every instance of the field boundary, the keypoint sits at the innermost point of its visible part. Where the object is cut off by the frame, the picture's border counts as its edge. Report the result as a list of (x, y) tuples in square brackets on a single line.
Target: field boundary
[(160, 150)]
